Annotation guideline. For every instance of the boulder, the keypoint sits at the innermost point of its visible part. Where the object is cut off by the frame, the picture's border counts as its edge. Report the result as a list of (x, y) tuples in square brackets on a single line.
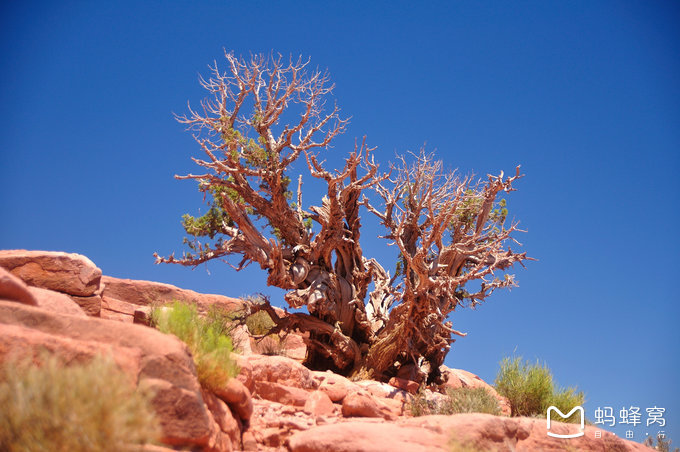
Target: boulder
[(362, 404), (319, 404), (142, 315), (334, 385), (383, 390), (249, 442), (144, 293), (237, 395), (225, 419), (286, 395), (69, 273), (281, 370), (459, 378), (407, 385), (14, 289)]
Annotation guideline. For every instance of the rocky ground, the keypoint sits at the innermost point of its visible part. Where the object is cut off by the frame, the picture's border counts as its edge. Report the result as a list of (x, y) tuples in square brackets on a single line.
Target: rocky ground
[(61, 302)]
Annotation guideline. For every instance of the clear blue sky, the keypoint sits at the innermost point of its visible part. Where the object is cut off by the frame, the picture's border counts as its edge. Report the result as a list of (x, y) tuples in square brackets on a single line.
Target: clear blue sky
[(584, 94)]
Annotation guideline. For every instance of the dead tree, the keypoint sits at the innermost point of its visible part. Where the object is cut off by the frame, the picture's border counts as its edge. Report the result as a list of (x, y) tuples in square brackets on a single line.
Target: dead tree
[(264, 114)]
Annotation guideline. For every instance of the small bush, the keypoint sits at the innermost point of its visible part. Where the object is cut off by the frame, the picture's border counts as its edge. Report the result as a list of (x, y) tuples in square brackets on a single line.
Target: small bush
[(221, 319), (662, 444), (470, 400), (531, 390), (271, 346), (259, 323), (91, 407), (457, 445), (460, 400), (206, 337)]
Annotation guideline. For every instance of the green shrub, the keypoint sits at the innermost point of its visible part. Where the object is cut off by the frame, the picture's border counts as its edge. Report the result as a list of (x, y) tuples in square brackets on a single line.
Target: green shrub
[(459, 400), (206, 337), (222, 319), (90, 407), (531, 390), (259, 323), (470, 400)]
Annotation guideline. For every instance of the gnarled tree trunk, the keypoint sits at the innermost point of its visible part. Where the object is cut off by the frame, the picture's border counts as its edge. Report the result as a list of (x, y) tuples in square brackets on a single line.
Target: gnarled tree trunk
[(448, 231)]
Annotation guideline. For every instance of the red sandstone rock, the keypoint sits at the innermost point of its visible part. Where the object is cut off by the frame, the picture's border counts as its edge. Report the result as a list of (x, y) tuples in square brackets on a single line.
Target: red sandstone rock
[(245, 374), (225, 419), (361, 404), (56, 302), (157, 361), (276, 392), (22, 342), (70, 273), (142, 315), (115, 305), (362, 436), (241, 339), (294, 347), (144, 293), (14, 289), (319, 404), (121, 311), (272, 437), (91, 305), (406, 385), (479, 432), (459, 378), (249, 443), (334, 385), (117, 316), (383, 390), (238, 397), (487, 432), (281, 370)]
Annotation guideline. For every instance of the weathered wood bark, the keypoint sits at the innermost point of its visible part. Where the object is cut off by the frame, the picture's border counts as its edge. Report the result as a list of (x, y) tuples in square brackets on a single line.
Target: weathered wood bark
[(448, 231)]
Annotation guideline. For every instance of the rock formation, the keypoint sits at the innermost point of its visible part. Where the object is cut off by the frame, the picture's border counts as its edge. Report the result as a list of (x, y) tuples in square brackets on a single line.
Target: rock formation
[(61, 303)]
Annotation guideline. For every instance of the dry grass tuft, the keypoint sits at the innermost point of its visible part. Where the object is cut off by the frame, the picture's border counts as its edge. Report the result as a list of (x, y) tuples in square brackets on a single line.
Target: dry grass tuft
[(91, 407)]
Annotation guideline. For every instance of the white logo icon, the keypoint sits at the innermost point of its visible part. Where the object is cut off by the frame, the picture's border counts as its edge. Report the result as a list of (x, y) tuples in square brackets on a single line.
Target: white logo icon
[(564, 416)]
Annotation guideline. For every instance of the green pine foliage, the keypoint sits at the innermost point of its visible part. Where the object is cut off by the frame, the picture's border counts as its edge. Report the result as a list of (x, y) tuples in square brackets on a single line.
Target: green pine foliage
[(252, 154)]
